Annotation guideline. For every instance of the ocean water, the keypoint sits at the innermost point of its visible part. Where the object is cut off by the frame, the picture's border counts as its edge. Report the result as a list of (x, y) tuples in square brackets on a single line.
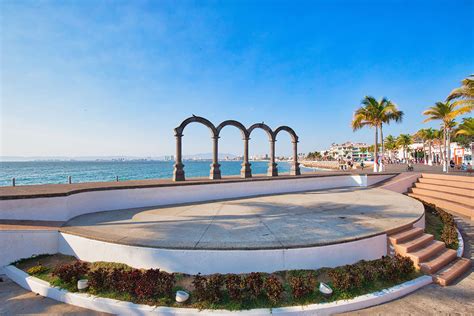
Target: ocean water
[(42, 172)]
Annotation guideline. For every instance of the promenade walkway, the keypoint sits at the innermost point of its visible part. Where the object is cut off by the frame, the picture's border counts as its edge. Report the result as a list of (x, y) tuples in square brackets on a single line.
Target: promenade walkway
[(432, 299)]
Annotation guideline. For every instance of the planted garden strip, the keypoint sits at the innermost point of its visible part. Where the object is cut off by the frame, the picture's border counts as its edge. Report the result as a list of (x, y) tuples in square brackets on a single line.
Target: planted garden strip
[(122, 308), (231, 291), (447, 232)]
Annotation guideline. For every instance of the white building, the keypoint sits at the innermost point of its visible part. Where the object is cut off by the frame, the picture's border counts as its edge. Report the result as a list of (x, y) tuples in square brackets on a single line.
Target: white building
[(351, 151), (457, 153)]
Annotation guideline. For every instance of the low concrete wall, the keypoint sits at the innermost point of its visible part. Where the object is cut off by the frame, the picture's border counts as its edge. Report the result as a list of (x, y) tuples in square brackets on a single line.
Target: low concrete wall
[(225, 261), (63, 208), (17, 244)]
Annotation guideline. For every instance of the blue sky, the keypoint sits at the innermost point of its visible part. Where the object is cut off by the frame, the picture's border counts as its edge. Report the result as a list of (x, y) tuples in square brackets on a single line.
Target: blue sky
[(115, 77)]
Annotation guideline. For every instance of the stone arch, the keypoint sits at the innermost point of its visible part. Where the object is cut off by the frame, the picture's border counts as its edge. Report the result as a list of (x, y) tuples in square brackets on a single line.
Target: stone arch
[(196, 119), (289, 130), (178, 172), (240, 126), (245, 172), (265, 127), (272, 165), (295, 166)]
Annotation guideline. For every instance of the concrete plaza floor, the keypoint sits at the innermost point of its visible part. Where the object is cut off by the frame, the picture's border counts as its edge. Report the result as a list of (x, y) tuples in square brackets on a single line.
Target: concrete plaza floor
[(266, 222)]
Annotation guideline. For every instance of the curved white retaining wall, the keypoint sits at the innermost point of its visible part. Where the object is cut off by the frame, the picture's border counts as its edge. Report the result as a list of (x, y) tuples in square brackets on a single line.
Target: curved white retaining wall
[(126, 308), (64, 208), (225, 261), (18, 244)]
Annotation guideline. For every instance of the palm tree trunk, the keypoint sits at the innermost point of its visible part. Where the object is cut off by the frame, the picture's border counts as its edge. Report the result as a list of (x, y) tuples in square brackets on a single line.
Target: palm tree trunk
[(430, 158), (445, 169), (448, 144), (376, 168), (381, 167)]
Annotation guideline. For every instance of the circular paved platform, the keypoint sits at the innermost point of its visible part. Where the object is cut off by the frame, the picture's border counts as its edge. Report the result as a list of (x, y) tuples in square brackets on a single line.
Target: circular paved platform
[(269, 222)]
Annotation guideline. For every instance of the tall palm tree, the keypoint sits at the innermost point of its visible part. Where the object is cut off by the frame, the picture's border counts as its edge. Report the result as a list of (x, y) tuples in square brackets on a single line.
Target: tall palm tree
[(430, 136), (464, 95), (466, 127), (404, 140), (438, 140), (446, 112), (390, 144), (421, 135), (374, 114), (390, 112)]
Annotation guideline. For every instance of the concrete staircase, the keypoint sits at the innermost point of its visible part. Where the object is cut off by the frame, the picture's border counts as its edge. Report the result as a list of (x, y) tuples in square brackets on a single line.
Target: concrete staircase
[(454, 194), (429, 255)]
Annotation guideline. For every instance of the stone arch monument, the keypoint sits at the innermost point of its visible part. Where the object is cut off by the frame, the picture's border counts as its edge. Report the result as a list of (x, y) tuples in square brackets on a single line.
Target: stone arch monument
[(246, 172)]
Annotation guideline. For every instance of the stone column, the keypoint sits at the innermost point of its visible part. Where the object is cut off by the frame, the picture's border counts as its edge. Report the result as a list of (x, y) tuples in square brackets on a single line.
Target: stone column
[(178, 172), (295, 166), (215, 171), (272, 166), (246, 172)]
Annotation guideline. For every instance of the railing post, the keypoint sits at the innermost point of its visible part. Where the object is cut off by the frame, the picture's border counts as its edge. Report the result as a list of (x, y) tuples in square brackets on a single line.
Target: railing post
[(13, 182), (69, 179)]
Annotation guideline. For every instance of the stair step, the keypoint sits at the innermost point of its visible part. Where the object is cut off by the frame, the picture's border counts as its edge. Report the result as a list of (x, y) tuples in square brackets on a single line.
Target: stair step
[(413, 244), (463, 199), (434, 264), (452, 271), (405, 235), (454, 184), (429, 251), (458, 208), (447, 189), (447, 177)]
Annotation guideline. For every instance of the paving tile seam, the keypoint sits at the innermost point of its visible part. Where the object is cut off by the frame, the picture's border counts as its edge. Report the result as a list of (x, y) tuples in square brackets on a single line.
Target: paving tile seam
[(209, 225), (271, 232)]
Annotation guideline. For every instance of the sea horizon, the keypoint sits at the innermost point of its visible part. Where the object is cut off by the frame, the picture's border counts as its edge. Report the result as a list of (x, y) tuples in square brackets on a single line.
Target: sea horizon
[(57, 172)]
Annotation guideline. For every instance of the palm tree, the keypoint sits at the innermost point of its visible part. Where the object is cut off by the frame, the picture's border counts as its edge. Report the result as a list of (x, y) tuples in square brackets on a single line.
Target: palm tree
[(438, 139), (466, 127), (464, 95), (390, 144), (404, 140), (374, 114), (390, 113), (465, 131), (421, 135), (446, 112), (430, 136)]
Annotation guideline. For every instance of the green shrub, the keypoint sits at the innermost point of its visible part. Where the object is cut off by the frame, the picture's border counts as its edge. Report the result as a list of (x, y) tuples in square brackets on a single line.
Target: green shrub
[(254, 283), (71, 272), (273, 288), (214, 287), (199, 283), (449, 235), (341, 278), (98, 279), (301, 285), (208, 289), (235, 286), (38, 269)]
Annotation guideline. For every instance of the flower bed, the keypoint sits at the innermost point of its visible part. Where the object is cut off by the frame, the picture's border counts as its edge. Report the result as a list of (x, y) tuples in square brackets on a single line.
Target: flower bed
[(231, 291), (441, 225)]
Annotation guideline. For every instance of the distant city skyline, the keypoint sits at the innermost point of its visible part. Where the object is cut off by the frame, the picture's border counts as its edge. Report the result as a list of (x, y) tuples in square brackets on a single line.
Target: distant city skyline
[(100, 78)]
